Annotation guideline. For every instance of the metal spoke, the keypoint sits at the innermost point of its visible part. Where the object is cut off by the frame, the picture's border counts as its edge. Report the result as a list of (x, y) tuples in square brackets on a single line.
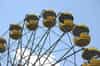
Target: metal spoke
[(73, 48), (51, 48), (41, 48), (31, 48), (27, 44), (8, 52), (16, 52), (64, 58)]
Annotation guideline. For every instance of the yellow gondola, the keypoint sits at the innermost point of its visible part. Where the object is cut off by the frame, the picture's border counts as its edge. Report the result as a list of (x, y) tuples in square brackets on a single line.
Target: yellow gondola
[(89, 53), (66, 22), (49, 18), (31, 21), (95, 61), (15, 31), (90, 65), (66, 27), (85, 64), (82, 40), (2, 45), (80, 29), (65, 16), (85, 36)]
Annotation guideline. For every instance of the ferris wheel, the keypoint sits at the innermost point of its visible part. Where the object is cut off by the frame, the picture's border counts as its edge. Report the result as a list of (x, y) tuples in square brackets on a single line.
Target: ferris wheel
[(46, 40)]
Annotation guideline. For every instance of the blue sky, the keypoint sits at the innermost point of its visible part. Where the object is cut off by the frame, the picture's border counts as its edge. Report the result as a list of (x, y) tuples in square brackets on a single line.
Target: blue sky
[(85, 12)]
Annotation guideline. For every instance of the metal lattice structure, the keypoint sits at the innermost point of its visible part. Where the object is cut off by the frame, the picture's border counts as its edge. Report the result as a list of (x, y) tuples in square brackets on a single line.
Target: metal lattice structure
[(46, 40)]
